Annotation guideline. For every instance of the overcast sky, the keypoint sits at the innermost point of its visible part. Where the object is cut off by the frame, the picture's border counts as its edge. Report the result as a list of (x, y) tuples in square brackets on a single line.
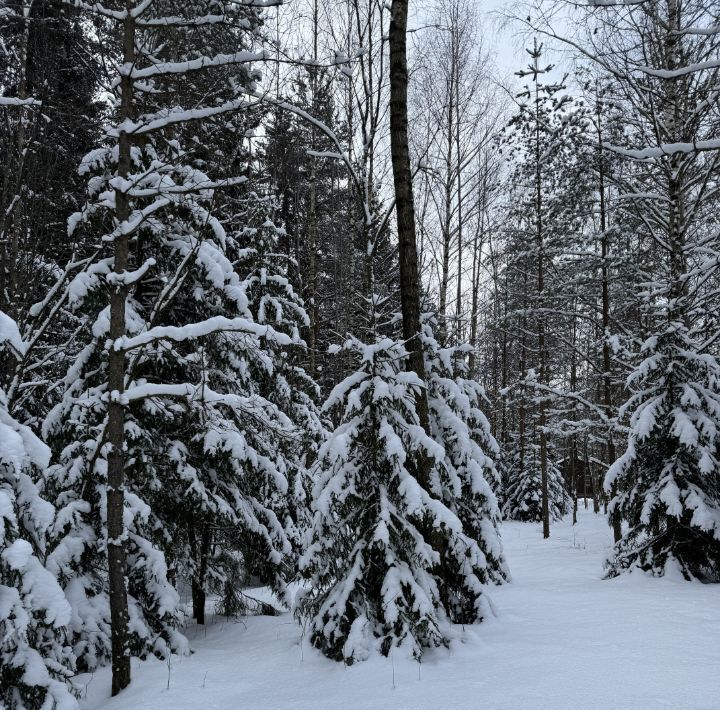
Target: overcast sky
[(502, 37)]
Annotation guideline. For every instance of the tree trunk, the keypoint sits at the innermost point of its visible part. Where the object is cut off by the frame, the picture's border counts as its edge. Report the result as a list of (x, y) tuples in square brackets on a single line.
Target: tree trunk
[(573, 441), (445, 266), (478, 241), (312, 212), (573, 480), (200, 554), (405, 208), (607, 364), (523, 395), (116, 384), (541, 321), (458, 158), (407, 248)]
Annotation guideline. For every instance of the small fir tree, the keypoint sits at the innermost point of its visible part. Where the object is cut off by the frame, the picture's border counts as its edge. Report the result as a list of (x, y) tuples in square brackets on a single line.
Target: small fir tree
[(461, 428), (36, 663), (389, 561), (371, 569), (668, 480), (523, 500)]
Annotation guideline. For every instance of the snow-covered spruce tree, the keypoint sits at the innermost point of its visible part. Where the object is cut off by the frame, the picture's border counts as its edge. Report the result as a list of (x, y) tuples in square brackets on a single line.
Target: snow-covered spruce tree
[(668, 479), (666, 486), (76, 429), (389, 561), (204, 445), (228, 486), (459, 425), (372, 572), (272, 299), (522, 490), (132, 393), (36, 662)]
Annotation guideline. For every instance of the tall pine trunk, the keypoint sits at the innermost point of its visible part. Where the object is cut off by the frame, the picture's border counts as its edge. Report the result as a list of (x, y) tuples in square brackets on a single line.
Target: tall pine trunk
[(607, 364), (405, 208), (116, 385), (541, 319)]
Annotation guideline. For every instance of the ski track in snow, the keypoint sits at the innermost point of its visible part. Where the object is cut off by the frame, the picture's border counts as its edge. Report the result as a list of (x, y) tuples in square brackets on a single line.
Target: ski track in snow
[(563, 639)]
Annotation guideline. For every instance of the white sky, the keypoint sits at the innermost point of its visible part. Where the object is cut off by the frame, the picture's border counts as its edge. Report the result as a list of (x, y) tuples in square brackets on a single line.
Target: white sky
[(508, 40), (502, 37)]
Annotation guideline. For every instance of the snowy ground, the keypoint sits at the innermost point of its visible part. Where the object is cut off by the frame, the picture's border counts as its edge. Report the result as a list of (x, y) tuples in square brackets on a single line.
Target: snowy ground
[(563, 639)]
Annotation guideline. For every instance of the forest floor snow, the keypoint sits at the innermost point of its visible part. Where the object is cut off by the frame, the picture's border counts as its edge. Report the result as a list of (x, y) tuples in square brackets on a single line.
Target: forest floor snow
[(563, 639)]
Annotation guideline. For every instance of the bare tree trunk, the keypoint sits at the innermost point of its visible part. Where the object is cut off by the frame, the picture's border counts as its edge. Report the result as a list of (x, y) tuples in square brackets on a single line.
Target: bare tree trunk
[(404, 205), (459, 160), (116, 385), (407, 247), (504, 369), (593, 482), (573, 441), (199, 550), (202, 573), (447, 223), (541, 321), (607, 364), (585, 485), (573, 480), (478, 241), (522, 411), (312, 212)]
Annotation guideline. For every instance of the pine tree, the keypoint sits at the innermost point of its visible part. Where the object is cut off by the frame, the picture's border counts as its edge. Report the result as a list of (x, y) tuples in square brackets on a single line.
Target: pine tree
[(36, 663), (544, 136)]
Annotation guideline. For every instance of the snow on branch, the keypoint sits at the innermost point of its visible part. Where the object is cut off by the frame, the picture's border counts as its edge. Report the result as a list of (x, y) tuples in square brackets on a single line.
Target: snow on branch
[(681, 71), (136, 219), (127, 278), (712, 30), (175, 116), (99, 9), (210, 326), (326, 154), (177, 21), (122, 186), (15, 101), (257, 3), (168, 68), (186, 390), (642, 196), (613, 3), (10, 335), (664, 149), (140, 9)]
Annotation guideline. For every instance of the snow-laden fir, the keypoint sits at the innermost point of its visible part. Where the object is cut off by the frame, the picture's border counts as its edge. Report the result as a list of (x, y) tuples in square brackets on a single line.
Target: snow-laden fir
[(36, 660)]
